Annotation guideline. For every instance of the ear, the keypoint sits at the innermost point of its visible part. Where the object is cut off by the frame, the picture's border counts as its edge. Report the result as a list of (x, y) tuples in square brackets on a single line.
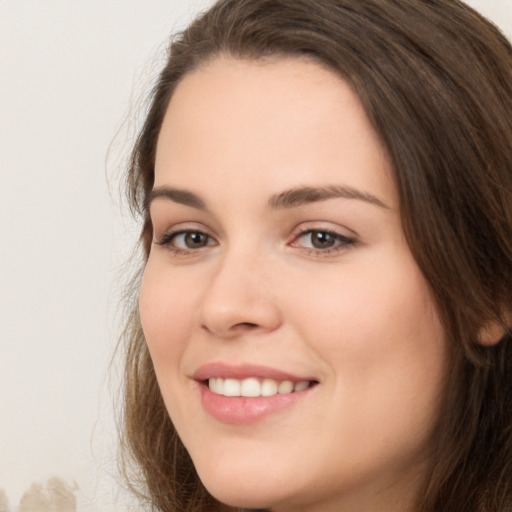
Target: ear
[(492, 332)]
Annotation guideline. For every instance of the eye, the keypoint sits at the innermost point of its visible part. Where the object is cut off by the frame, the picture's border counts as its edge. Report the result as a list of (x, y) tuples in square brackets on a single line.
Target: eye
[(322, 241), (186, 240)]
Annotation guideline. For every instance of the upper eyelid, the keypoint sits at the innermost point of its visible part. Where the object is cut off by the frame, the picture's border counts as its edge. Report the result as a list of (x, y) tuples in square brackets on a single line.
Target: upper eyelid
[(164, 227), (164, 223), (325, 225), (334, 233), (323, 230), (298, 230), (175, 232)]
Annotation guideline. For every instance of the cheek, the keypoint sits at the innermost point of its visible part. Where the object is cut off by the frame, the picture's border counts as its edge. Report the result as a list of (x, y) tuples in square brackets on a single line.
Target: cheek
[(387, 362), (379, 307), (381, 336), (165, 313)]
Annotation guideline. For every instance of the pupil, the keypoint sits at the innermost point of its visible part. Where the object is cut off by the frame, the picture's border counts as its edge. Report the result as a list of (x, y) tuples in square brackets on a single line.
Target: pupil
[(322, 240), (195, 239)]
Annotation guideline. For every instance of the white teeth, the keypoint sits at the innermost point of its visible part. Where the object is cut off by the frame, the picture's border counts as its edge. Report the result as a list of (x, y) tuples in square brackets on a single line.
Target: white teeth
[(268, 387), (232, 387), (216, 385), (285, 387), (301, 386), (250, 387), (253, 387)]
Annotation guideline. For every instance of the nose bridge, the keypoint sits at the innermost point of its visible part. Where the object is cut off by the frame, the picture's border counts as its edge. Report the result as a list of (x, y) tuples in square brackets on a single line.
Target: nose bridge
[(240, 295)]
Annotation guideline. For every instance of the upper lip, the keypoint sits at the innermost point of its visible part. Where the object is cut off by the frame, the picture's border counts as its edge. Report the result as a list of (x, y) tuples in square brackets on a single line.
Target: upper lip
[(244, 371)]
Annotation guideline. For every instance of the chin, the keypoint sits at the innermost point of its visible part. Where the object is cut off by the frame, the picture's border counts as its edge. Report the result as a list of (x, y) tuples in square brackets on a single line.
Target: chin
[(246, 487), (251, 495)]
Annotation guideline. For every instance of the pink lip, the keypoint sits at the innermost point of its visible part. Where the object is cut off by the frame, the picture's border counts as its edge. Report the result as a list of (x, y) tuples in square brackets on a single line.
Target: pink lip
[(243, 410), (244, 371)]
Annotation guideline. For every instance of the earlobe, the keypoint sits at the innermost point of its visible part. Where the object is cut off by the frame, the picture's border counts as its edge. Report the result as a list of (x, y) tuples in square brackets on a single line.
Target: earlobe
[(493, 332)]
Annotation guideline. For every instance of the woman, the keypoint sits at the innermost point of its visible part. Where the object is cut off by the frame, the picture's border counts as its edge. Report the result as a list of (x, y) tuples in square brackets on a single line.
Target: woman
[(323, 320)]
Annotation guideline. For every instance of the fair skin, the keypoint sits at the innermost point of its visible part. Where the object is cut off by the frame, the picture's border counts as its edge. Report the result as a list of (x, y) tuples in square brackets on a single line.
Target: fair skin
[(321, 287)]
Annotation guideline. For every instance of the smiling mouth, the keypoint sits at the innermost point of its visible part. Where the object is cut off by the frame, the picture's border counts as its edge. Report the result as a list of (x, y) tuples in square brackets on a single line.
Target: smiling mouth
[(246, 393), (254, 387)]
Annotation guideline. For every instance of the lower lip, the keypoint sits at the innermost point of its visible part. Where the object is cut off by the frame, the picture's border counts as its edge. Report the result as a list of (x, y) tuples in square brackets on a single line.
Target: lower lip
[(243, 410)]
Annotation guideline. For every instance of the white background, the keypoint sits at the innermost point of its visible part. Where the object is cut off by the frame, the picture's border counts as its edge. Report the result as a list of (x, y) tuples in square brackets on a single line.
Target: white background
[(71, 74)]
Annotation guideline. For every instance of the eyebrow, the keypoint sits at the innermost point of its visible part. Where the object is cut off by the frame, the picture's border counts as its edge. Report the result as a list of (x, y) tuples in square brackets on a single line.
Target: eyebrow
[(300, 196), (292, 198), (176, 195)]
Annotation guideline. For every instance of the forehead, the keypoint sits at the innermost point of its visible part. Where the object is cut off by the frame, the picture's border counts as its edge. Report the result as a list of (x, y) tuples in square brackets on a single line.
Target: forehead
[(290, 120)]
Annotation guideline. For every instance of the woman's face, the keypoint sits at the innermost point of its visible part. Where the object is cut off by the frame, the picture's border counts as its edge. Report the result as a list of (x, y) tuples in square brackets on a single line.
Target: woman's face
[(279, 271)]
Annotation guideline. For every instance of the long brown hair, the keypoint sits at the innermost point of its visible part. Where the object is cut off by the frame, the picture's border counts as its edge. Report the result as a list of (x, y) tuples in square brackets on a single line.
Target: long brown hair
[(435, 79)]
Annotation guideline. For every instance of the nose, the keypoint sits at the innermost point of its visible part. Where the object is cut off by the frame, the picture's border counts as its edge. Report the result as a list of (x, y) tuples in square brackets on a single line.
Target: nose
[(239, 299)]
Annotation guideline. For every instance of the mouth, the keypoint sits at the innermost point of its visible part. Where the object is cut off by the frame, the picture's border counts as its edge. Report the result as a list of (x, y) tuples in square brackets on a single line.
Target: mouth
[(253, 387), (246, 394)]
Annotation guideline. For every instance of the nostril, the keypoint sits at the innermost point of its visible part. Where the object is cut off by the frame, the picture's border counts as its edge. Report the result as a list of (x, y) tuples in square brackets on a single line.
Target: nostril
[(245, 326), (237, 328)]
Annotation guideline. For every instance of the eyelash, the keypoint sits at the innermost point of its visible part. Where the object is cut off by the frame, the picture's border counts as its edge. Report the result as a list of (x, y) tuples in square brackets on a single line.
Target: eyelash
[(343, 243), (167, 241)]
